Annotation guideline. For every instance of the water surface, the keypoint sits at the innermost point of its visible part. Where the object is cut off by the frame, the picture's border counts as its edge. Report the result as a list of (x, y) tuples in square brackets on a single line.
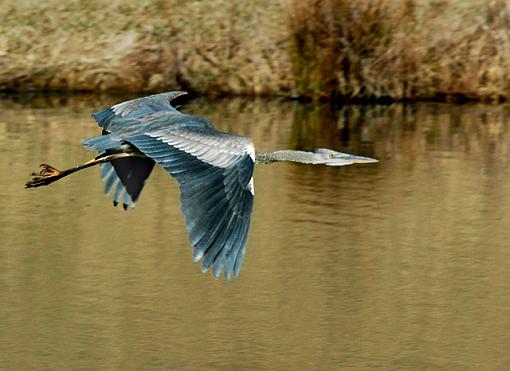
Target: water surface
[(399, 265)]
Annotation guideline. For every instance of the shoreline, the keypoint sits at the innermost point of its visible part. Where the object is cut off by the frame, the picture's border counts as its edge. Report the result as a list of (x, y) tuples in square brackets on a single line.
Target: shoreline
[(366, 53)]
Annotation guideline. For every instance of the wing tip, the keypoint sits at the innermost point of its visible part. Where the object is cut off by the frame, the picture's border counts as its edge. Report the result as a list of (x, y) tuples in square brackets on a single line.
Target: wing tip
[(104, 117)]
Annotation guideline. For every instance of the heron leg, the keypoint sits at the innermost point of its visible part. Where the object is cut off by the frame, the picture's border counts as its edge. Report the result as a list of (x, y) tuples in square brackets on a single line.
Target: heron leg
[(49, 174)]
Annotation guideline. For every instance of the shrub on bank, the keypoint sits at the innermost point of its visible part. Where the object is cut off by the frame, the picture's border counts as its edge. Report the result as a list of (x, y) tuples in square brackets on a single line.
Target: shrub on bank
[(401, 50)]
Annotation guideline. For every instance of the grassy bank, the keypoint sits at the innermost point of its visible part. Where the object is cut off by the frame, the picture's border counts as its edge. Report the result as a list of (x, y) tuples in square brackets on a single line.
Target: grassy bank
[(401, 50), (330, 49), (212, 47)]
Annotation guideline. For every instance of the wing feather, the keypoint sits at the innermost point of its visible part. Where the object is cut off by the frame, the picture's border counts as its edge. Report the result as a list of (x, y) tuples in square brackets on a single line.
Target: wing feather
[(208, 243), (137, 108), (108, 176), (227, 247), (213, 253), (216, 199)]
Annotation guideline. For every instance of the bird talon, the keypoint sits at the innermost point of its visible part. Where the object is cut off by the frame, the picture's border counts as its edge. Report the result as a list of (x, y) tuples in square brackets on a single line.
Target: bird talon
[(48, 170), (48, 174)]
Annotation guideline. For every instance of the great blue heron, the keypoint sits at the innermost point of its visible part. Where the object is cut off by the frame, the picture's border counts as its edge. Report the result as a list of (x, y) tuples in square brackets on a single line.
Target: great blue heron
[(214, 171)]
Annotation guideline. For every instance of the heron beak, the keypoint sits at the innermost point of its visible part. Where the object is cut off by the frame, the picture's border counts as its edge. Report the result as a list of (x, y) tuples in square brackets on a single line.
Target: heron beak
[(364, 160), (343, 159)]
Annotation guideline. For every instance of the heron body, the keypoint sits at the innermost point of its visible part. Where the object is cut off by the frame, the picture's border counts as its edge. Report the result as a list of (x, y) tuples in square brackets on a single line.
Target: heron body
[(214, 171)]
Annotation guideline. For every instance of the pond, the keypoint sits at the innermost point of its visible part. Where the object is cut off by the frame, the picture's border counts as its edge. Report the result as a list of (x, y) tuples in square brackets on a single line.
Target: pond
[(404, 264)]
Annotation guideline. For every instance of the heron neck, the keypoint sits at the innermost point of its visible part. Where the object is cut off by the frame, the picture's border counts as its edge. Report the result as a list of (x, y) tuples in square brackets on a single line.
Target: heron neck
[(284, 155)]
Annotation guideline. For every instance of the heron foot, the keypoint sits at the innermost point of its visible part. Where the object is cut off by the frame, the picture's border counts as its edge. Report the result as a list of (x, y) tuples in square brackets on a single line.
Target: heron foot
[(47, 175)]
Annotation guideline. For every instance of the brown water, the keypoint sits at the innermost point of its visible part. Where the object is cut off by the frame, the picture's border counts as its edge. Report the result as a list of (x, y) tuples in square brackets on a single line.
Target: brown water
[(400, 265)]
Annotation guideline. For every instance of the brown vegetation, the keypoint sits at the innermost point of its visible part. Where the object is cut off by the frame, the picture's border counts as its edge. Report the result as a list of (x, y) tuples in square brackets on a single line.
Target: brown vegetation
[(214, 46), (329, 49), (401, 50)]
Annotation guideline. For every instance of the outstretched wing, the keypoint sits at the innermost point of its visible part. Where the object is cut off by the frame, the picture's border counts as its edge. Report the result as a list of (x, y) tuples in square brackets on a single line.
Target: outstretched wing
[(214, 171), (139, 107), (128, 176)]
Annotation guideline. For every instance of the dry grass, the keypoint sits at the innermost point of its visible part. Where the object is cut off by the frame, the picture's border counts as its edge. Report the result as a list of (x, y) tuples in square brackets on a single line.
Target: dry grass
[(330, 49), (207, 46), (401, 50)]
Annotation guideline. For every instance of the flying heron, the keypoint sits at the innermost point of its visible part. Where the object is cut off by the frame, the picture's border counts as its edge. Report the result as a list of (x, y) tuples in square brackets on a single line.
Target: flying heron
[(214, 171)]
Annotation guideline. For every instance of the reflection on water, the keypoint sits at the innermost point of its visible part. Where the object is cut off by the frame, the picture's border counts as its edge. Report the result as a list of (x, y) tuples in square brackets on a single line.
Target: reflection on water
[(401, 265)]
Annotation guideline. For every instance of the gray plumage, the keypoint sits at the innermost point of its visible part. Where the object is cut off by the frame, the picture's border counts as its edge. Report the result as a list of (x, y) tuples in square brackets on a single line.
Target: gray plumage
[(214, 171)]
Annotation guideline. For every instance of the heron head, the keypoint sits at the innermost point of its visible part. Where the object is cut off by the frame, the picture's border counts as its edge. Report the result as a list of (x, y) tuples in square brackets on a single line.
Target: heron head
[(333, 158)]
